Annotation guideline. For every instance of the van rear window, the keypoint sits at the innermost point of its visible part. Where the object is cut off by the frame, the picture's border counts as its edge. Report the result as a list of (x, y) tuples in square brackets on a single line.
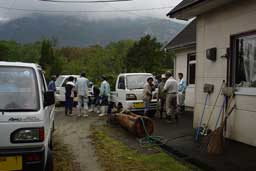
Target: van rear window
[(18, 89)]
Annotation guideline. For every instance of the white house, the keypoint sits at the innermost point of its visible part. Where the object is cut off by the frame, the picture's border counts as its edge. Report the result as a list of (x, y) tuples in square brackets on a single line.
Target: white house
[(184, 47), (228, 28)]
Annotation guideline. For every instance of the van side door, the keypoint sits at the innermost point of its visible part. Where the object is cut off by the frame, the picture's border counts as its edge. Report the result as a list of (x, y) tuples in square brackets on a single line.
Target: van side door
[(121, 89), (48, 111)]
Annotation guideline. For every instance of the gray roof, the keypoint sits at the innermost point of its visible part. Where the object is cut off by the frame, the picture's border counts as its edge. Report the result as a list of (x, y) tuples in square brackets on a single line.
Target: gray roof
[(184, 4), (186, 38)]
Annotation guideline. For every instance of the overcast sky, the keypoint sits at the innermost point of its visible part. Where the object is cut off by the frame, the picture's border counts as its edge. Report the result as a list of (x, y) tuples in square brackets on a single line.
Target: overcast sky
[(7, 14)]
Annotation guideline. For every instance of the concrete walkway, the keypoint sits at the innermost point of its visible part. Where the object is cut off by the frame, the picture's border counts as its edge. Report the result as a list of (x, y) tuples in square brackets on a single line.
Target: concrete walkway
[(181, 144)]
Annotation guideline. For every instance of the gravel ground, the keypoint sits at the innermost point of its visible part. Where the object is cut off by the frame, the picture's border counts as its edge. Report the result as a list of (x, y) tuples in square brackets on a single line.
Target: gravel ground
[(73, 132)]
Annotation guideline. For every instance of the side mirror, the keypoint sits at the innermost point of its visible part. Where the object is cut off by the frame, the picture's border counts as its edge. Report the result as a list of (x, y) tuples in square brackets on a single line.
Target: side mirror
[(49, 98)]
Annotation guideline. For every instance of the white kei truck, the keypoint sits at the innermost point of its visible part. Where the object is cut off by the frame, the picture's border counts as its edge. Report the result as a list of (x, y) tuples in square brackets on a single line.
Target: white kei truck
[(26, 118), (128, 94)]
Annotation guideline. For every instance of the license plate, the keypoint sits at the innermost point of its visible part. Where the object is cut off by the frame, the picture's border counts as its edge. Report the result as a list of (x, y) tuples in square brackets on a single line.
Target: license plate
[(10, 163), (138, 105)]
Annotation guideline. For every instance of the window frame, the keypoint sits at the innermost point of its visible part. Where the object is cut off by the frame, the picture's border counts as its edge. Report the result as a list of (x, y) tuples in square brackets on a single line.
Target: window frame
[(121, 77), (250, 91), (191, 62)]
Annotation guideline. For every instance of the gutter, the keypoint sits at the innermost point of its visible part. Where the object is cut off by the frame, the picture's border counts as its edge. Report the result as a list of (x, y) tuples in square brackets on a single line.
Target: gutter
[(172, 13), (182, 46)]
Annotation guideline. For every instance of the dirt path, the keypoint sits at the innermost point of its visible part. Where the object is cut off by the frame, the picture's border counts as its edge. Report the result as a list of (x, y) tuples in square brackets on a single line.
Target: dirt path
[(74, 132)]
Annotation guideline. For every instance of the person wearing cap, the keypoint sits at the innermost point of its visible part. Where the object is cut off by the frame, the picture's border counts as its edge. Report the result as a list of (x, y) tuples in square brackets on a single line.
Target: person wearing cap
[(181, 94), (161, 95), (147, 94), (171, 89), (82, 93), (51, 85)]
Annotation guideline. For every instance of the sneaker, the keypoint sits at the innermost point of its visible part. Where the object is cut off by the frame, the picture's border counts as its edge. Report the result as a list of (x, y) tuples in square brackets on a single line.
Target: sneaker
[(102, 114), (85, 115), (91, 110), (98, 112)]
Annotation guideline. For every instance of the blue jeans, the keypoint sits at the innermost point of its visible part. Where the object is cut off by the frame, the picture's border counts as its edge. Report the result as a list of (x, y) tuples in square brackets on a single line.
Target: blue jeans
[(68, 105)]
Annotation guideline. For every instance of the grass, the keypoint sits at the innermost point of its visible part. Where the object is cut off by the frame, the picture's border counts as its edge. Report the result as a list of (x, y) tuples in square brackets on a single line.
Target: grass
[(63, 158), (116, 156)]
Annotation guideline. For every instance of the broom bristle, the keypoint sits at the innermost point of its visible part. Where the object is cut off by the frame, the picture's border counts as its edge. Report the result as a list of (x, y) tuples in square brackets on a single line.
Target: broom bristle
[(215, 145)]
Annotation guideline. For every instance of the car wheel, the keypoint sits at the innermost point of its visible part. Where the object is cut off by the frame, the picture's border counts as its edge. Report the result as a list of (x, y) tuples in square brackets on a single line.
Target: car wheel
[(49, 163)]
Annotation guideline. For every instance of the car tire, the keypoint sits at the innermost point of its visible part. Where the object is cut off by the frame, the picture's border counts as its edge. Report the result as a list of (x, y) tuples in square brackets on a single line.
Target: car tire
[(49, 162)]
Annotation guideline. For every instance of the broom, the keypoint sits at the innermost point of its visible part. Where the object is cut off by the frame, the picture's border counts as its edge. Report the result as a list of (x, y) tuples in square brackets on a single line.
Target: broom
[(216, 144)]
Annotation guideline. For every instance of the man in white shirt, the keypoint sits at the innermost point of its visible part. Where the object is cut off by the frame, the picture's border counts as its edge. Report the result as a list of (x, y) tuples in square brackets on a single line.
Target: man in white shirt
[(82, 93), (104, 95), (171, 89)]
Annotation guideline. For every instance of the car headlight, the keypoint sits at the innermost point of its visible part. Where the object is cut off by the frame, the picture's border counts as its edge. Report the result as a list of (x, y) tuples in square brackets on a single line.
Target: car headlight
[(28, 135)]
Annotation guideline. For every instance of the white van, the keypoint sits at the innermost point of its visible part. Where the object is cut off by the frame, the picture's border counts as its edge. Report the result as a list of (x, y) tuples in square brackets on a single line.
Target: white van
[(60, 84), (26, 118), (128, 92)]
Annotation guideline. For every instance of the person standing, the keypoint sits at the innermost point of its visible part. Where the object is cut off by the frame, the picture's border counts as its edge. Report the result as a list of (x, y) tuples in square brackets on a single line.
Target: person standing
[(171, 88), (69, 96), (82, 84), (148, 94), (161, 95), (182, 92), (96, 99), (104, 95), (51, 85)]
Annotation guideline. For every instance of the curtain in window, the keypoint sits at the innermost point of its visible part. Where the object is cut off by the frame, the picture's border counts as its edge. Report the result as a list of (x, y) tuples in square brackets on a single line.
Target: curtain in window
[(247, 62)]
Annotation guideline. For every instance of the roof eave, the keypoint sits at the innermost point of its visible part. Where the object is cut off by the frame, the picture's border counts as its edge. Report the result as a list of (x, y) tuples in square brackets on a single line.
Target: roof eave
[(196, 9), (182, 46)]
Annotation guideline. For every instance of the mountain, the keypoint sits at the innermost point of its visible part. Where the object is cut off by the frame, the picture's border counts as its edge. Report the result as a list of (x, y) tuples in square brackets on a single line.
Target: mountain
[(74, 31)]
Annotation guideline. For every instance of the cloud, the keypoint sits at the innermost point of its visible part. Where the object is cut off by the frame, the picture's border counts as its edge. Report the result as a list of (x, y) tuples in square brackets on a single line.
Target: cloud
[(71, 8)]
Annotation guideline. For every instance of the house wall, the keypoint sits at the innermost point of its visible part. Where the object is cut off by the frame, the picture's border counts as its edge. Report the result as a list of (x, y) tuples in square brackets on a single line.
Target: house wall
[(214, 30), (181, 67)]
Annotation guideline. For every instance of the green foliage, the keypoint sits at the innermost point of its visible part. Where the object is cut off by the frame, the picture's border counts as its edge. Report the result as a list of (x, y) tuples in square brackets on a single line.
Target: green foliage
[(144, 55)]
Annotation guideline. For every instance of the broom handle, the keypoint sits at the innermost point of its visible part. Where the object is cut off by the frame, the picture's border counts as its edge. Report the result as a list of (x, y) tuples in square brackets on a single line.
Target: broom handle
[(215, 102)]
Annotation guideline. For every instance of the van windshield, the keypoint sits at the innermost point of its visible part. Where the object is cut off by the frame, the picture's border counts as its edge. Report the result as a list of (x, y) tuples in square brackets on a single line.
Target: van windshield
[(136, 81), (18, 89), (59, 81)]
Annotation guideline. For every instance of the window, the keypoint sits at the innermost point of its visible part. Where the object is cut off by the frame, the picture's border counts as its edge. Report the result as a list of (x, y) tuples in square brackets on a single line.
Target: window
[(121, 83), (244, 60), (191, 68), (18, 89), (136, 81)]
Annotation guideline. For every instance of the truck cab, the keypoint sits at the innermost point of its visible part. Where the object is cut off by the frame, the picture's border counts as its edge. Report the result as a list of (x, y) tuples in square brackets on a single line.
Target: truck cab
[(128, 93), (26, 118)]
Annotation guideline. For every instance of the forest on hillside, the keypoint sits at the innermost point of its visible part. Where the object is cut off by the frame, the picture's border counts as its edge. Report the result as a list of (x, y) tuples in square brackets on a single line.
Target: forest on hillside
[(144, 55)]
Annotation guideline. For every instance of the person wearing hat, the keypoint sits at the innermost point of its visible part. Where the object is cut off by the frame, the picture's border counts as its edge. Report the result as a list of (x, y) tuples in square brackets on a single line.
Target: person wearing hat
[(171, 89), (161, 95), (147, 94)]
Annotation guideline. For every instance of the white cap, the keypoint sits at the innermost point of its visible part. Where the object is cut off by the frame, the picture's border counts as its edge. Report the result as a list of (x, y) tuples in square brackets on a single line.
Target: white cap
[(163, 76)]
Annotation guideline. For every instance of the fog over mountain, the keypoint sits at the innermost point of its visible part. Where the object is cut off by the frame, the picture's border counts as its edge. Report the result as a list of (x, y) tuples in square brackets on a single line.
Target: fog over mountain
[(82, 31)]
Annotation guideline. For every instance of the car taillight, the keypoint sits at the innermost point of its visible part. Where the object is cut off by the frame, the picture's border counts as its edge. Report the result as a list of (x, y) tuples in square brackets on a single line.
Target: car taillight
[(28, 135), (131, 97)]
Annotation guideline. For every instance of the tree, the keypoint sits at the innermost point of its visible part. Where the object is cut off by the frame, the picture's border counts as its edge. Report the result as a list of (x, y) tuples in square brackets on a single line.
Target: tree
[(145, 56)]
